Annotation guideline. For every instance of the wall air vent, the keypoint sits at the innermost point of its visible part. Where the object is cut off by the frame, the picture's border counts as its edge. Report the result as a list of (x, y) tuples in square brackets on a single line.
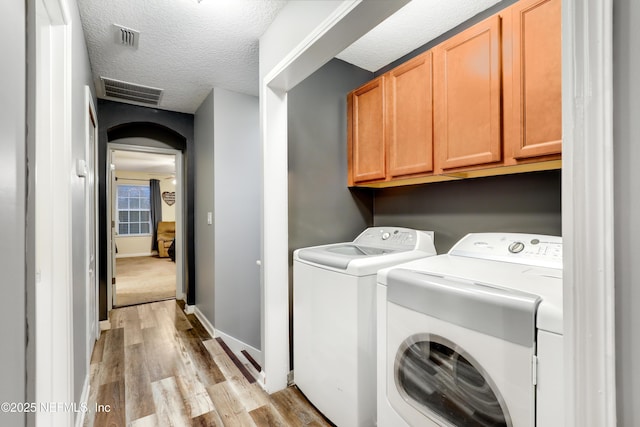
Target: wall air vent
[(126, 36), (131, 92)]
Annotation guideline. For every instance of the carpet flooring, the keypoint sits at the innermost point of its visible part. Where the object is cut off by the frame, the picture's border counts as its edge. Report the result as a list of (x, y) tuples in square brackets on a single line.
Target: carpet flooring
[(144, 279)]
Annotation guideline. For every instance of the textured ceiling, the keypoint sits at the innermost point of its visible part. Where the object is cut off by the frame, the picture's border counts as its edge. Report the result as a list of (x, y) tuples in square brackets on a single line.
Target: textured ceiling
[(188, 47), (417, 23), (185, 47)]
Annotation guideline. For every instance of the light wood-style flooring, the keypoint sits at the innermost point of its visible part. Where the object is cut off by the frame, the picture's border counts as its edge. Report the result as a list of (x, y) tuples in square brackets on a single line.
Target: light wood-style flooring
[(159, 367)]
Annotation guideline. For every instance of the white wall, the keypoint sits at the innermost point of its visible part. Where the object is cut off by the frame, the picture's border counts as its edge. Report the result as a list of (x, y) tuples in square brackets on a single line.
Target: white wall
[(81, 76), (12, 214), (292, 25), (12, 108)]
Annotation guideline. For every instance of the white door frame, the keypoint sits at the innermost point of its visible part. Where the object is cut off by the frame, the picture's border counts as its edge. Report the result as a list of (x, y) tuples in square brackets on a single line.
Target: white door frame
[(111, 252), (92, 226), (53, 174), (587, 213), (348, 22), (180, 292), (587, 209)]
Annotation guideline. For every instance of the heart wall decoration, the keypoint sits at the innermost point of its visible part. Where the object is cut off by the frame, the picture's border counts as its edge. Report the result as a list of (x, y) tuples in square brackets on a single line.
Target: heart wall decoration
[(169, 197)]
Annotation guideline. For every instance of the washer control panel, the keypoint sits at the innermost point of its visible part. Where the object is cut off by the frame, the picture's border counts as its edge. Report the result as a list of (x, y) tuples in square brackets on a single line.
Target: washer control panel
[(529, 249), (394, 238)]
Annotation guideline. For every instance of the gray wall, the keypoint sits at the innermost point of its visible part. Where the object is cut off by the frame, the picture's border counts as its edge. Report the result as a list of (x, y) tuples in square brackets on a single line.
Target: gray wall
[(228, 176), (237, 183), (203, 191), (528, 203), (80, 76), (321, 207), (13, 184), (626, 133)]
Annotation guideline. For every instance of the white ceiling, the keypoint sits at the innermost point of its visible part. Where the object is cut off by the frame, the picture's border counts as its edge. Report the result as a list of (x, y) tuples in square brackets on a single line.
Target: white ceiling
[(187, 47), (134, 161), (417, 23)]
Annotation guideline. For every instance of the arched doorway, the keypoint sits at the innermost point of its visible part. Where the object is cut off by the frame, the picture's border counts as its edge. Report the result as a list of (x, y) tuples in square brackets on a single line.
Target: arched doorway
[(144, 129)]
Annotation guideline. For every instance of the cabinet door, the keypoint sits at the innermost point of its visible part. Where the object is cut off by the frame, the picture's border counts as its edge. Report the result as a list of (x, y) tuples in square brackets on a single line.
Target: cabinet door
[(366, 132), (410, 117), (533, 79), (467, 97)]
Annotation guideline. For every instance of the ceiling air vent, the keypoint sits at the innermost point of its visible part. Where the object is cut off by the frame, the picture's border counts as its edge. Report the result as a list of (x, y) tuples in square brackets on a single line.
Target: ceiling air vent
[(126, 36), (131, 92)]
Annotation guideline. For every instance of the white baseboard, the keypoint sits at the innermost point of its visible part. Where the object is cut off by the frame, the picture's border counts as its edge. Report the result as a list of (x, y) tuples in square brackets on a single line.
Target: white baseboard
[(203, 319), (233, 343), (134, 255), (237, 346), (84, 400), (105, 325)]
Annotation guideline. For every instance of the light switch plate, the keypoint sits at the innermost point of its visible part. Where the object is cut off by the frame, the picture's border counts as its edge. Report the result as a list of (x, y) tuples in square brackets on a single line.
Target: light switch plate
[(81, 168)]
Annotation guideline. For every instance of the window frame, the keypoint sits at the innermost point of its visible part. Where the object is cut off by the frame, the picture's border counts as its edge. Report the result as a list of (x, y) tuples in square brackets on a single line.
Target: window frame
[(129, 210)]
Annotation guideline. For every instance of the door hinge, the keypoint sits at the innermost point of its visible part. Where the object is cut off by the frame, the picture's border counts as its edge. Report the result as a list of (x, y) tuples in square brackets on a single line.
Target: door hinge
[(534, 369), (113, 280)]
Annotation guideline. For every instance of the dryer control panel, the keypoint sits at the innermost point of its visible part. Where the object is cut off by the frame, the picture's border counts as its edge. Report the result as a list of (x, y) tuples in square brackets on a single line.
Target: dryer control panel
[(530, 249), (394, 238)]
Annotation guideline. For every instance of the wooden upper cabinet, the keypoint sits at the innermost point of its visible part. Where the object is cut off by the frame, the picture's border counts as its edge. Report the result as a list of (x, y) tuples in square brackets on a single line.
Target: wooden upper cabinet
[(366, 132), (533, 79), (410, 117), (467, 97), (487, 101)]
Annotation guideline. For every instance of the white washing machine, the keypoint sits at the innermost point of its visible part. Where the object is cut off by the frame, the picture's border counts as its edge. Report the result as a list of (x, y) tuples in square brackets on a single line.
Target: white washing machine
[(334, 319), (473, 337)]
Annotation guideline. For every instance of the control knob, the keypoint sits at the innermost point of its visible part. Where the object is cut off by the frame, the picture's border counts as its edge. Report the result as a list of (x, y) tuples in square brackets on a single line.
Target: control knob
[(516, 247)]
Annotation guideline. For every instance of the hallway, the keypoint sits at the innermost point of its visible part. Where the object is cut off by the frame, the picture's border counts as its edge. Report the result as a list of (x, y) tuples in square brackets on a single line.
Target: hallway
[(160, 367)]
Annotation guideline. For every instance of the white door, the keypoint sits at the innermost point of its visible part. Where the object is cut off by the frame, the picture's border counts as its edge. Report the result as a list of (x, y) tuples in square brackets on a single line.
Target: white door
[(93, 330)]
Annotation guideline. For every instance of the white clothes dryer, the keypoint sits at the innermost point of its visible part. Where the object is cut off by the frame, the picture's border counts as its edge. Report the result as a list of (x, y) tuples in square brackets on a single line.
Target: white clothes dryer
[(473, 337), (334, 318)]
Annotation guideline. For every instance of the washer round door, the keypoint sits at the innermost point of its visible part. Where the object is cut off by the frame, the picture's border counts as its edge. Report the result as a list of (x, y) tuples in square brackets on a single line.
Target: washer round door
[(443, 382), (459, 353), (442, 374)]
